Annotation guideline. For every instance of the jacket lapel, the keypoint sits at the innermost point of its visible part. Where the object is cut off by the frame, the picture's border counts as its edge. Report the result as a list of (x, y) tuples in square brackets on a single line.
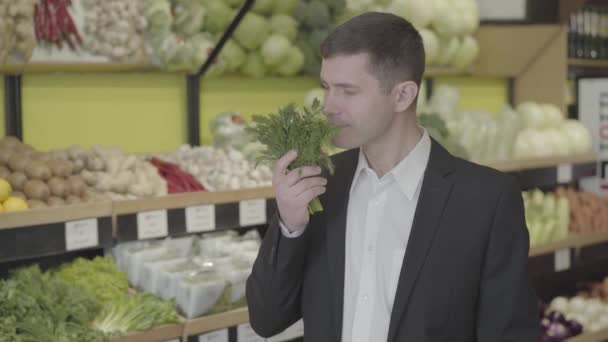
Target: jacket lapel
[(335, 206), (434, 193)]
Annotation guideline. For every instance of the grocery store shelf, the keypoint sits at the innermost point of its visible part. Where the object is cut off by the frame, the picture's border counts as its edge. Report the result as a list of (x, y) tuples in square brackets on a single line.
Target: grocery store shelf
[(573, 241), (550, 162), (588, 63), (210, 323), (598, 336), (171, 332), (41, 216), (76, 67), (208, 211)]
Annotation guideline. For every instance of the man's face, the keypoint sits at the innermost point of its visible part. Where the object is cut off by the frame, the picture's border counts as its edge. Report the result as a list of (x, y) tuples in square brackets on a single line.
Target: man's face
[(355, 101)]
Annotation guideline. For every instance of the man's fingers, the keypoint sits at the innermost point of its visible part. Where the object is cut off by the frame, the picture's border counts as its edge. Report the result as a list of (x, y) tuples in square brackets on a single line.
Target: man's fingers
[(310, 193), (302, 172), (306, 184), (280, 167)]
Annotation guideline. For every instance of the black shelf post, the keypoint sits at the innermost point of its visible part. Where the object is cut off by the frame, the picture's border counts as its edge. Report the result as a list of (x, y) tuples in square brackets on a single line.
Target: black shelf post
[(193, 104), (12, 106)]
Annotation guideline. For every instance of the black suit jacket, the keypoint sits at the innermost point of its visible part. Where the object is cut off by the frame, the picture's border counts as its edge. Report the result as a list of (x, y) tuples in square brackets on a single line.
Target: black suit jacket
[(464, 275)]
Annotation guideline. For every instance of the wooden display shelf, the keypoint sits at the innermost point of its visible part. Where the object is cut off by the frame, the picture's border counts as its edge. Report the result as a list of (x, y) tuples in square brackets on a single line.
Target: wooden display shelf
[(42, 216), (190, 199), (201, 325), (597, 336), (76, 67), (588, 63), (527, 164), (162, 333), (573, 241)]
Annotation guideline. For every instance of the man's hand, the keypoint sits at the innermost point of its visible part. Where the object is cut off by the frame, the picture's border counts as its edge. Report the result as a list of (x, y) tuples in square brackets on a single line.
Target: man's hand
[(294, 190)]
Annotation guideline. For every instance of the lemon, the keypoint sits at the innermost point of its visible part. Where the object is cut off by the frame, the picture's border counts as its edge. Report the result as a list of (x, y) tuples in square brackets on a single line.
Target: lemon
[(5, 190), (15, 204)]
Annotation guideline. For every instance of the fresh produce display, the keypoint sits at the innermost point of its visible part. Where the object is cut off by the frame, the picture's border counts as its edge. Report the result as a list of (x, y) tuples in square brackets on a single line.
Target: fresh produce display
[(177, 180), (555, 327), (203, 275), (138, 312), (446, 26), (547, 216), (53, 24), (36, 306), (316, 18), (179, 31), (588, 212), (17, 34), (115, 29), (533, 131), (588, 307), (113, 173), (40, 178), (9, 202), (219, 169), (306, 131)]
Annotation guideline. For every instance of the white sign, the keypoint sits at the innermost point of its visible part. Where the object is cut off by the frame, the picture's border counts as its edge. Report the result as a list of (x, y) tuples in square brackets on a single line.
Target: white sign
[(564, 173), (252, 212), (81, 234), (200, 218), (152, 224), (214, 336), (562, 260), (244, 333), (173, 340), (294, 331)]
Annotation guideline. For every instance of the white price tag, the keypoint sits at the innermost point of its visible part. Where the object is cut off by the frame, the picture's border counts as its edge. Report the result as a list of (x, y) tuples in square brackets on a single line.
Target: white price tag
[(200, 218), (214, 336), (564, 173), (81, 234), (294, 331), (562, 260), (244, 333), (152, 224), (173, 340), (252, 212)]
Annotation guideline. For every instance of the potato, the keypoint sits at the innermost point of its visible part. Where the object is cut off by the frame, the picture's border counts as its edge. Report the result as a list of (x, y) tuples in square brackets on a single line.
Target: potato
[(5, 155), (59, 187), (38, 170), (36, 204), (36, 189), (78, 165), (73, 200), (10, 142), (55, 201), (17, 163), (89, 177), (4, 172), (17, 180), (77, 186), (61, 168), (18, 194)]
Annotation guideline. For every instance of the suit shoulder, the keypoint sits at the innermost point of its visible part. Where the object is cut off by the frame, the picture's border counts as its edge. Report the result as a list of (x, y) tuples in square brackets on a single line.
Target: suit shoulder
[(472, 174)]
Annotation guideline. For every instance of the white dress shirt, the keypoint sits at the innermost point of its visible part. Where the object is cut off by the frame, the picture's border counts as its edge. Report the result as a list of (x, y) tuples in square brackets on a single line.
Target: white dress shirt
[(378, 225)]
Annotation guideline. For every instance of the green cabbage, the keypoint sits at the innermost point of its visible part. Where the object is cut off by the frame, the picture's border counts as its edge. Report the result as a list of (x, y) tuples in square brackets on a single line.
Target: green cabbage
[(285, 25), (431, 45), (188, 17), (466, 54), (275, 50), (252, 31), (254, 65), (285, 6), (219, 16), (314, 15), (263, 7), (158, 15), (233, 55), (293, 63)]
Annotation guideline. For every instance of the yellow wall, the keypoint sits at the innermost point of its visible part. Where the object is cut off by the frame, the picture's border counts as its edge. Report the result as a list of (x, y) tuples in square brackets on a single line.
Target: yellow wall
[(2, 121), (249, 96), (138, 112), (489, 94)]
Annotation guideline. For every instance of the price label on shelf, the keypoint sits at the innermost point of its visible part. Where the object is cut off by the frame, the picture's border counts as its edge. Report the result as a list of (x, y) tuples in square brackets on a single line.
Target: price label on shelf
[(244, 333), (564, 173), (152, 224), (562, 260), (173, 340), (81, 234), (214, 336), (200, 218), (252, 212)]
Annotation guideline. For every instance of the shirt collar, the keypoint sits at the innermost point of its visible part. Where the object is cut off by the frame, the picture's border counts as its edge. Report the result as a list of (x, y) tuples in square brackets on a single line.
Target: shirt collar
[(410, 170)]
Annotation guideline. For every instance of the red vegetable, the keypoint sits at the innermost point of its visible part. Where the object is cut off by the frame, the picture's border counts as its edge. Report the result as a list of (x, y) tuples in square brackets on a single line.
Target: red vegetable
[(177, 180), (53, 23)]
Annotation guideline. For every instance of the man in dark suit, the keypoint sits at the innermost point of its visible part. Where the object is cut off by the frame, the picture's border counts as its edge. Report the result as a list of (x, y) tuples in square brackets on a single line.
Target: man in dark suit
[(414, 244)]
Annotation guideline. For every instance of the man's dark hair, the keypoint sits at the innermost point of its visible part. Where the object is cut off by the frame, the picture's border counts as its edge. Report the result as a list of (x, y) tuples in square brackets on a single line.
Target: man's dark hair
[(394, 46)]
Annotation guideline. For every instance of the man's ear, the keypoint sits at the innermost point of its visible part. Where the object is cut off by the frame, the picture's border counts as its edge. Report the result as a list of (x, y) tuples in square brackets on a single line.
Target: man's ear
[(405, 95)]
